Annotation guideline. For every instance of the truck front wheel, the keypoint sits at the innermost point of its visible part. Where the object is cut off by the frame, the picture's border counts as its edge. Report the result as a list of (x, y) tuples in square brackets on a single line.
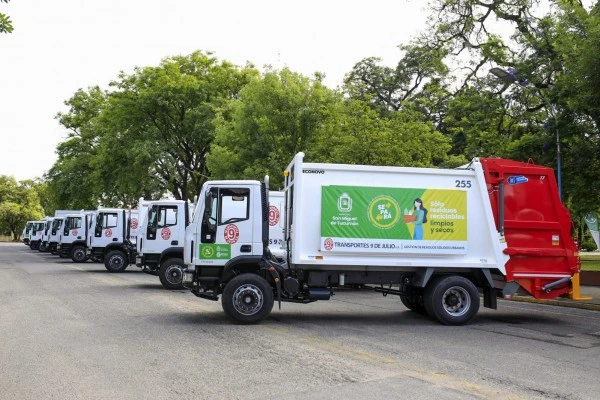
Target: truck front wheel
[(78, 254), (452, 300), (248, 298), (171, 274), (116, 261)]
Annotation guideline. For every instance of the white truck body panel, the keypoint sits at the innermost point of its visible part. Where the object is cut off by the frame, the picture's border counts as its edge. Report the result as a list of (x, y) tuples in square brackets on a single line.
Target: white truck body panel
[(365, 207)]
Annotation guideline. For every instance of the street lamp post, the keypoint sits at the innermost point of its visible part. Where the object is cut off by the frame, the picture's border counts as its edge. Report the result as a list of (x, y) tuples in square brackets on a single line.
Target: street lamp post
[(510, 77)]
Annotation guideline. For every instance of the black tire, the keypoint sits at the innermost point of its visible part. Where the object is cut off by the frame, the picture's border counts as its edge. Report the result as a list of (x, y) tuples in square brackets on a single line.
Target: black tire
[(78, 254), (116, 261), (34, 245), (414, 303), (248, 298), (452, 300), (171, 274)]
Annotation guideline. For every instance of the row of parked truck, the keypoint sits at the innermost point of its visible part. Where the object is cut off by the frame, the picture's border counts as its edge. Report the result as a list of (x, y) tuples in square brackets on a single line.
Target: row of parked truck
[(150, 237), (437, 238)]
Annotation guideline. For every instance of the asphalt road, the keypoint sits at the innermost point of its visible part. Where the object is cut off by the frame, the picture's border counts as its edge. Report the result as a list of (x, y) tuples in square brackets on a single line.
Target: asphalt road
[(74, 331)]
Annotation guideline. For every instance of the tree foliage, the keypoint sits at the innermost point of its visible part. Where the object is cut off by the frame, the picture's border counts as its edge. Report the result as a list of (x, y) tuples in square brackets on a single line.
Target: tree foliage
[(165, 129), (6, 25), (273, 118), (19, 203)]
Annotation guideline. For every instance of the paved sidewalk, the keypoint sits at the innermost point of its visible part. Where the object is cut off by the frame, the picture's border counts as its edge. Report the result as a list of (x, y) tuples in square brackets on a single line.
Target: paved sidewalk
[(589, 291)]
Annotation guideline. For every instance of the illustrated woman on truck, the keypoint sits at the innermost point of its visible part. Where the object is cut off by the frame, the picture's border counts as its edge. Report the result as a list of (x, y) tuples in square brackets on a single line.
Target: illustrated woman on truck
[(421, 218)]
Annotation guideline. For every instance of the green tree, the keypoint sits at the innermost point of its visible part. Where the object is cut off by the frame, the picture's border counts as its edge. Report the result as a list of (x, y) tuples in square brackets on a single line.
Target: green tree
[(274, 118), (6, 25), (165, 114), (19, 202), (71, 180), (398, 139), (419, 80)]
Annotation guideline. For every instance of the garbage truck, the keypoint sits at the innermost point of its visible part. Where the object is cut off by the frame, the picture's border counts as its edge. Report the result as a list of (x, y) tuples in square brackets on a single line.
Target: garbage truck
[(44, 245), (72, 236), (436, 238), (111, 237), (35, 234)]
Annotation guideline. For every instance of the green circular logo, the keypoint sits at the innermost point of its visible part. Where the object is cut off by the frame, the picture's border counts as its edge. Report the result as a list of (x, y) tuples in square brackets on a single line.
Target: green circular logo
[(207, 252), (384, 212)]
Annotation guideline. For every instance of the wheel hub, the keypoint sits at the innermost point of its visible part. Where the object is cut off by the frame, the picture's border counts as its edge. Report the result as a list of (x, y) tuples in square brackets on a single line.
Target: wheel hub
[(174, 275), (456, 301), (248, 299)]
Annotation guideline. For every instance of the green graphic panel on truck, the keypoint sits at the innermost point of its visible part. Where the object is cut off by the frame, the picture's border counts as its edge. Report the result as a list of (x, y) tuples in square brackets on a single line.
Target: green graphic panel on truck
[(383, 219), (215, 251)]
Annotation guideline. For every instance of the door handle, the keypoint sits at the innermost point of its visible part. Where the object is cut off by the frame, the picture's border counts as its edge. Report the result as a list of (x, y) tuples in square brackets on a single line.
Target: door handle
[(174, 242), (246, 248)]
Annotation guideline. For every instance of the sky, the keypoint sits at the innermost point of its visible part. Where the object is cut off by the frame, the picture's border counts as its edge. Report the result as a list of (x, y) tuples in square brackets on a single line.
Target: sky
[(59, 46)]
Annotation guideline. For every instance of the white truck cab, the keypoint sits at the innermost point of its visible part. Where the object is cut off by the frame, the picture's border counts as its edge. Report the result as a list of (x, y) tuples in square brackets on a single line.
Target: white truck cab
[(113, 235), (26, 232), (54, 233), (35, 234), (73, 235), (160, 240), (44, 244)]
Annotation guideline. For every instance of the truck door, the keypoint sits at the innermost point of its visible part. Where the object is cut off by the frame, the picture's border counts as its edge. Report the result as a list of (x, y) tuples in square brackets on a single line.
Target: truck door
[(106, 229), (226, 230), (161, 229)]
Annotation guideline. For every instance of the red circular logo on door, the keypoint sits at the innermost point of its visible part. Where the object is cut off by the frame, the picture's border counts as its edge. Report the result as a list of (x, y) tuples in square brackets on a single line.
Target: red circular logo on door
[(328, 244), (74, 231), (133, 223), (108, 232), (273, 215), (232, 234), (165, 233)]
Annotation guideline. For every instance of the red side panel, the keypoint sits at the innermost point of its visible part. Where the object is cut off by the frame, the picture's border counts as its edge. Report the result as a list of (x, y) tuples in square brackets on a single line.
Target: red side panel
[(537, 226)]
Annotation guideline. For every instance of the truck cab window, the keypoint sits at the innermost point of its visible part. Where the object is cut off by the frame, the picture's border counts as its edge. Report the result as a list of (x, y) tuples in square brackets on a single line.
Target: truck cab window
[(167, 216), (234, 205)]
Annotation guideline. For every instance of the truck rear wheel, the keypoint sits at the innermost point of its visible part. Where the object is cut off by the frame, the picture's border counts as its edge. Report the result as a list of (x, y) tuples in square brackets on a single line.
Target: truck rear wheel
[(248, 298), (452, 300), (78, 254), (116, 261), (171, 274)]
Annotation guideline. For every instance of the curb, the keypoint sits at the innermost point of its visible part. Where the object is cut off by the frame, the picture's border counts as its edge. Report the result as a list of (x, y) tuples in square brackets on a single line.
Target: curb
[(560, 303)]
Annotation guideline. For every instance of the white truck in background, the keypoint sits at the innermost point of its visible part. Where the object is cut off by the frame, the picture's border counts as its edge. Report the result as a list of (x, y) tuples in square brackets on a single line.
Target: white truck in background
[(55, 228), (72, 236), (434, 237), (159, 248), (35, 234), (44, 245), (112, 236), (26, 231)]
